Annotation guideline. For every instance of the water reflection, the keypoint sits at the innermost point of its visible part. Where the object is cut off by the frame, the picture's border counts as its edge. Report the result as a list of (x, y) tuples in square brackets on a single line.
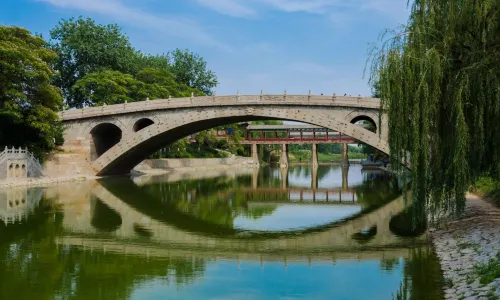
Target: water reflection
[(17, 203), (301, 233)]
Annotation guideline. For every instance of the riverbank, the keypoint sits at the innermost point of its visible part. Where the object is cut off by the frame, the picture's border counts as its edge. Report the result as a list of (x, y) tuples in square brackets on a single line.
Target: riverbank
[(44, 181), (168, 166), (469, 252), (147, 167)]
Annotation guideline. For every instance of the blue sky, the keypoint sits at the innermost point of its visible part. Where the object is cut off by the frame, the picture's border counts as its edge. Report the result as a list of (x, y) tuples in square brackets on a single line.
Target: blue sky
[(225, 280), (272, 45)]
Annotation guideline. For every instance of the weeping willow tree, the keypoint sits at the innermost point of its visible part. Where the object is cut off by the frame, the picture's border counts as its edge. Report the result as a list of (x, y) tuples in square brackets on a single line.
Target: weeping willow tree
[(439, 80)]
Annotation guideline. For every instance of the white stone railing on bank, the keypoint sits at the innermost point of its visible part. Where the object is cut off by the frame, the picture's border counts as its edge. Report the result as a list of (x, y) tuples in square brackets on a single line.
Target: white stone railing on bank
[(34, 169), (233, 100)]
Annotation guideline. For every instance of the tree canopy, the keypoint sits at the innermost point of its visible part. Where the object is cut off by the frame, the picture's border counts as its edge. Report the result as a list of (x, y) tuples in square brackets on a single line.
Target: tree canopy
[(28, 101), (113, 87), (93, 56), (84, 47), (191, 69), (440, 82)]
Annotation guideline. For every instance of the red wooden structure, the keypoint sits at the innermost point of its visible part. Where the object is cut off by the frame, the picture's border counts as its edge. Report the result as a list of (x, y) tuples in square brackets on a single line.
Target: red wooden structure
[(287, 134), (293, 134)]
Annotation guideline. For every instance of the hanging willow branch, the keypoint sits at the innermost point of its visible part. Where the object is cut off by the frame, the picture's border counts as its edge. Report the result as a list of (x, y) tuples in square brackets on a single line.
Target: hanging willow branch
[(439, 80)]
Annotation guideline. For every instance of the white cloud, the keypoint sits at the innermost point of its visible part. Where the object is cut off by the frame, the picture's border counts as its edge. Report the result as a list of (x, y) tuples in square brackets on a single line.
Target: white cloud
[(343, 9), (309, 6), (231, 8), (116, 9)]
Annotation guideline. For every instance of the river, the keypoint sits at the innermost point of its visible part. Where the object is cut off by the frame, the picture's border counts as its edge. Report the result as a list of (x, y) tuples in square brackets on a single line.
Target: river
[(298, 233)]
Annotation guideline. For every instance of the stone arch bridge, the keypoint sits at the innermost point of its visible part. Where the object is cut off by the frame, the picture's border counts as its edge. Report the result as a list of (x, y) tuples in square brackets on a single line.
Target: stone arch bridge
[(115, 138)]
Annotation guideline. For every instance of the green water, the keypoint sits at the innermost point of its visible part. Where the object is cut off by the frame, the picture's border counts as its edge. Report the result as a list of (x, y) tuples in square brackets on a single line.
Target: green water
[(298, 233)]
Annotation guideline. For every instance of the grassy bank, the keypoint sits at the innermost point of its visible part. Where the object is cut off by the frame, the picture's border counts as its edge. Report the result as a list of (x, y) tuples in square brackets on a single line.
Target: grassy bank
[(305, 155), (330, 157), (488, 188)]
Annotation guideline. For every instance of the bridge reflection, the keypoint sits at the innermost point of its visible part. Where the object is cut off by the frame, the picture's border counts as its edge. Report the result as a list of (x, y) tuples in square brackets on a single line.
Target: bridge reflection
[(290, 193), (203, 212)]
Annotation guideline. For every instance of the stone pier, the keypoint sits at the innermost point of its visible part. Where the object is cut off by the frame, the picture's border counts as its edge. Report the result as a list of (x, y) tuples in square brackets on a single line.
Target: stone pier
[(284, 178), (314, 154), (255, 154), (345, 176), (345, 155), (314, 180), (284, 156), (255, 178)]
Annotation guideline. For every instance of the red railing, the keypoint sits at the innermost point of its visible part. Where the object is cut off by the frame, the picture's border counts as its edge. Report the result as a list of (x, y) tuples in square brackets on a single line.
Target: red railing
[(292, 137)]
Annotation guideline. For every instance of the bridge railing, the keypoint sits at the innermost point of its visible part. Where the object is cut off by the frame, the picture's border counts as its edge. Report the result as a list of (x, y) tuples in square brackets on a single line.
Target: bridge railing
[(234, 100), (33, 164)]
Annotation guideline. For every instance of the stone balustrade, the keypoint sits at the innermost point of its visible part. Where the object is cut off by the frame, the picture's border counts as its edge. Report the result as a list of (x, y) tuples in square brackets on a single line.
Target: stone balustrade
[(233, 100)]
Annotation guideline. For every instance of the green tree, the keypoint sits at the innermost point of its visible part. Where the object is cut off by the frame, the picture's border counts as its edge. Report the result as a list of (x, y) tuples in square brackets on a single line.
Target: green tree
[(107, 87), (177, 149), (160, 83), (85, 47), (160, 62), (267, 122), (353, 149), (191, 69), (28, 102), (112, 87), (439, 79)]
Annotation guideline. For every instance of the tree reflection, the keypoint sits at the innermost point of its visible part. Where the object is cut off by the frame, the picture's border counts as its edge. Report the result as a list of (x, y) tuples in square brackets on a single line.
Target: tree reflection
[(377, 189), (422, 276), (411, 222), (33, 266)]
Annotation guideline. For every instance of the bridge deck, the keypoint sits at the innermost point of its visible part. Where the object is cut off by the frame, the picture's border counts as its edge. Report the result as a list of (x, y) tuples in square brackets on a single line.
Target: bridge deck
[(207, 101)]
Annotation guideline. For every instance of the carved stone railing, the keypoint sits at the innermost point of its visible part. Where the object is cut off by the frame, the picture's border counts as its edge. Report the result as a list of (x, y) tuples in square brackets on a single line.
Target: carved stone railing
[(234, 100), (18, 163)]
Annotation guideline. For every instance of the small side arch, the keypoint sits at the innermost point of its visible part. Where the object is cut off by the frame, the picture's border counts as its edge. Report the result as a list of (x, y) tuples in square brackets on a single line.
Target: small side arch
[(365, 118), (104, 137), (142, 123)]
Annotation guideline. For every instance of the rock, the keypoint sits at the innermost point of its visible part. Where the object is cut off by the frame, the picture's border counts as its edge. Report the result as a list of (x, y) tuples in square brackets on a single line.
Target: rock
[(461, 244), (467, 251)]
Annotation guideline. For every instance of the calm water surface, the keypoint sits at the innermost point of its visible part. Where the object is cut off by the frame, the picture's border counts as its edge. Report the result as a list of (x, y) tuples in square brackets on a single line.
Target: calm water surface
[(296, 233)]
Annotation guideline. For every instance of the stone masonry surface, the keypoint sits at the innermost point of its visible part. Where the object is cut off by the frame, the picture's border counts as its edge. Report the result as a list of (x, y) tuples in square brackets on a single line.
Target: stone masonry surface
[(171, 119), (467, 242)]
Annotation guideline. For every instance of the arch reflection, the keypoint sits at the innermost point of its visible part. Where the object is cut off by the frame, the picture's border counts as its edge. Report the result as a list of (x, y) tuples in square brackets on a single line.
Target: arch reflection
[(222, 206)]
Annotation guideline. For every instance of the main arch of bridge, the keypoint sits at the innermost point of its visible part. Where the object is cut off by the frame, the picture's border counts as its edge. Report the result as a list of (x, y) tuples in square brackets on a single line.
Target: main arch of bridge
[(133, 131)]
